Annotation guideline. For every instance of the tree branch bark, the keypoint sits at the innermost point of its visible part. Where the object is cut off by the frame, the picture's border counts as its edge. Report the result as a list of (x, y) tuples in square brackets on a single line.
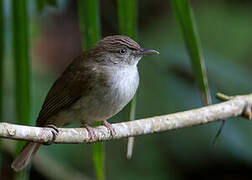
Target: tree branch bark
[(235, 106)]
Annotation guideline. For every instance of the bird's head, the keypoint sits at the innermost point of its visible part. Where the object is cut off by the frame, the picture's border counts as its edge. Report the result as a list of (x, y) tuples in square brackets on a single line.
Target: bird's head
[(120, 50)]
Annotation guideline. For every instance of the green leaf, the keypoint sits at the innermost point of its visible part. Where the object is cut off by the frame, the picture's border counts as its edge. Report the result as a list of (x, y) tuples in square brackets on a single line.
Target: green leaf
[(183, 11), (99, 159), (21, 67), (127, 18), (89, 22), (1, 67), (184, 14)]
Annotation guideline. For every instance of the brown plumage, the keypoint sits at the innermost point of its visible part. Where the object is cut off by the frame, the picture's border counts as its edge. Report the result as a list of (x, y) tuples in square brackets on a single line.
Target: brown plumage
[(67, 89), (111, 42), (94, 87)]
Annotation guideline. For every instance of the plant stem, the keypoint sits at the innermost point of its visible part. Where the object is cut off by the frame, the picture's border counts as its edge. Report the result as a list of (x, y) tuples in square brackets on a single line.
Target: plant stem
[(22, 68)]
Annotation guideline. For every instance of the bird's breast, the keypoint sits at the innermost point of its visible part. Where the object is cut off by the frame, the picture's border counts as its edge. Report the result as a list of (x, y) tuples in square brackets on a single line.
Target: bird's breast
[(113, 90), (120, 85), (123, 84)]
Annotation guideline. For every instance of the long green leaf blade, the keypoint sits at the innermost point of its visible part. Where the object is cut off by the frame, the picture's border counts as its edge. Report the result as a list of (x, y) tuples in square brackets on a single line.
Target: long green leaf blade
[(89, 22), (127, 18), (185, 17), (183, 11), (21, 66), (99, 160), (1, 68)]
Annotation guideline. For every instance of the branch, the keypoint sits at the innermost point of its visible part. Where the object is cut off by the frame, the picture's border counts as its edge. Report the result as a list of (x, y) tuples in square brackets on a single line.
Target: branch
[(235, 106)]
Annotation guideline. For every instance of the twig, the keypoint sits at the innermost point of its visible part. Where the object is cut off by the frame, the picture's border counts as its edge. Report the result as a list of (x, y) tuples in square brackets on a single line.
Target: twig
[(236, 106), (223, 97)]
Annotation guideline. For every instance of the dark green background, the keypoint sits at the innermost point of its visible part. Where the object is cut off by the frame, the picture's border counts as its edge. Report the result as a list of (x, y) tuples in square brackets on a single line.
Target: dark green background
[(167, 85)]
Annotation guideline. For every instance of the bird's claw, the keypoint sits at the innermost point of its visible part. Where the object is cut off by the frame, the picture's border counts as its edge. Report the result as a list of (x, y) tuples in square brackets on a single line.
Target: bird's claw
[(90, 132), (110, 127), (248, 112), (54, 131)]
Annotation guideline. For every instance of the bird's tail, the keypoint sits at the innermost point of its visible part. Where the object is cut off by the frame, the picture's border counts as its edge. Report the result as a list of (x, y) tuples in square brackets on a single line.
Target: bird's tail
[(25, 156)]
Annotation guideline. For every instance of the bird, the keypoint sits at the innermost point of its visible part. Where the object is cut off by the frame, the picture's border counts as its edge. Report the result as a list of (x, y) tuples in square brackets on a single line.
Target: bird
[(94, 87)]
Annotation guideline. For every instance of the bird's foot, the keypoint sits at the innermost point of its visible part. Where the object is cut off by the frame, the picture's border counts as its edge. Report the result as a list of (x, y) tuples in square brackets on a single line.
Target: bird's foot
[(248, 111), (90, 132), (55, 132), (110, 127)]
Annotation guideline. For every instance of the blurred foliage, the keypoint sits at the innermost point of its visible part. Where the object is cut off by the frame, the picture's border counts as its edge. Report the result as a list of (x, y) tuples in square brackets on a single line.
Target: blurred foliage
[(127, 17), (21, 61), (41, 4), (185, 17), (1, 55), (182, 9), (1, 69), (166, 86), (89, 20), (21, 68)]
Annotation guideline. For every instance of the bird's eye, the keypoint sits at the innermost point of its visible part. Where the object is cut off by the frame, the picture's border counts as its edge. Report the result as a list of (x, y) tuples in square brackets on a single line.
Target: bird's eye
[(123, 51)]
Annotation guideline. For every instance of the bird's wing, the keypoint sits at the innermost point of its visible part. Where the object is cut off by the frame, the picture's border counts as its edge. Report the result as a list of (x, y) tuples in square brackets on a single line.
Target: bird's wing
[(67, 89)]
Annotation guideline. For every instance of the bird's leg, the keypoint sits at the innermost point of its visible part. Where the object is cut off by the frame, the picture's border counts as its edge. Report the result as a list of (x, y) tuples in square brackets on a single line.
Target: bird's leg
[(110, 127), (90, 131), (55, 132)]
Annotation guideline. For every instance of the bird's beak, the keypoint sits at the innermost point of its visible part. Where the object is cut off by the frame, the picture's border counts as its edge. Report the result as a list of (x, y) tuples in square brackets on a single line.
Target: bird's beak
[(144, 52)]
